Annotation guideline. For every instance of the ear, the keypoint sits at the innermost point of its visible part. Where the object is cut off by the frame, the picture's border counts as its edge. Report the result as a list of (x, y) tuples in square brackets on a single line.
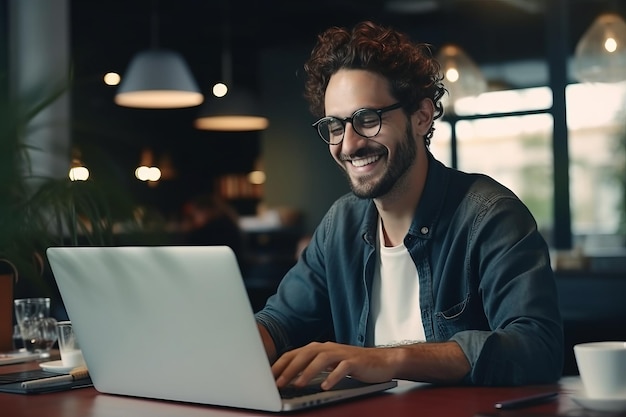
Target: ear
[(422, 118)]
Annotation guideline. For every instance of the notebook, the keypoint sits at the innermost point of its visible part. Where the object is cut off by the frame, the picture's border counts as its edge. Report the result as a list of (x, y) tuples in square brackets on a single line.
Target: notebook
[(13, 382), (173, 323)]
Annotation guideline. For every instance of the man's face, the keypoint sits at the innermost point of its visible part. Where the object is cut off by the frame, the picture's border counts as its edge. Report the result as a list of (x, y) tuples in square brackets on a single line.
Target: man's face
[(373, 166)]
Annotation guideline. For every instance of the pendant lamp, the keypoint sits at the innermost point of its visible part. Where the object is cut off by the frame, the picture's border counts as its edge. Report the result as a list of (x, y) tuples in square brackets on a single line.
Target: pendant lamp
[(237, 109), (462, 77), (600, 54), (158, 79)]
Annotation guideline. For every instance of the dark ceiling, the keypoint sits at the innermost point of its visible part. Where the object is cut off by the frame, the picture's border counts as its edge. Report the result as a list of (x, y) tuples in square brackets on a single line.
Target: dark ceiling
[(106, 34)]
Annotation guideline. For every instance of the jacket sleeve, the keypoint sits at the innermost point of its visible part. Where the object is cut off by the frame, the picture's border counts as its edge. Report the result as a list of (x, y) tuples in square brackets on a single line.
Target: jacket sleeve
[(299, 312), (519, 295)]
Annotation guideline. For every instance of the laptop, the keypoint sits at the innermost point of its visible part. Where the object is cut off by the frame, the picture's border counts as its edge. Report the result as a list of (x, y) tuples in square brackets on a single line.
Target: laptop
[(174, 323)]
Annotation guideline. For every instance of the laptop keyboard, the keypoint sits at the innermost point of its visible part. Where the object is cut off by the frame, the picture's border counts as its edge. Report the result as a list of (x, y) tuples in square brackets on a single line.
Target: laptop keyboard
[(291, 391)]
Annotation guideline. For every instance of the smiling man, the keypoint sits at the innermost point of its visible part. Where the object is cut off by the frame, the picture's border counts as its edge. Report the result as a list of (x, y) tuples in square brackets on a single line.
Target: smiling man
[(422, 272)]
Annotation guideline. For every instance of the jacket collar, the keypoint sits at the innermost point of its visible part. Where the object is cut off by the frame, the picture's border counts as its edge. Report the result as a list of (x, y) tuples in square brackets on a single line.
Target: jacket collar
[(428, 209)]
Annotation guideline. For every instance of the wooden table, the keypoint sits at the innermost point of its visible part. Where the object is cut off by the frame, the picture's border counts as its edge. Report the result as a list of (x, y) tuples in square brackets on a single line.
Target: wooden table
[(408, 399)]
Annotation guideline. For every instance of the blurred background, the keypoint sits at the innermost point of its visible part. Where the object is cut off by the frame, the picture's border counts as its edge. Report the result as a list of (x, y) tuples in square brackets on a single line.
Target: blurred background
[(522, 49), (537, 100)]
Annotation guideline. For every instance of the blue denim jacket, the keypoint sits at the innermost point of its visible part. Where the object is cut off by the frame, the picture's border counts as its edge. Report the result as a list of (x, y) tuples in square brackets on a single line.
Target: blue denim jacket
[(484, 272)]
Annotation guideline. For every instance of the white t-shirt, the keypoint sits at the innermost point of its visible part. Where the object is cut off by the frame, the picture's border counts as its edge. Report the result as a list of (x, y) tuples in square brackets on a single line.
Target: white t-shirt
[(395, 309)]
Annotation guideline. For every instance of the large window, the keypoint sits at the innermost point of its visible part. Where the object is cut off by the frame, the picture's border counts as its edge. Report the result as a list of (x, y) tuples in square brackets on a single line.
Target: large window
[(508, 135), (597, 138)]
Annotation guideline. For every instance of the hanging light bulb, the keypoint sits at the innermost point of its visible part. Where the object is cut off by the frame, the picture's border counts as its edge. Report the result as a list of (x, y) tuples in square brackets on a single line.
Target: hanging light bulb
[(600, 54), (462, 77), (230, 108), (158, 79), (237, 110), (78, 171), (146, 171)]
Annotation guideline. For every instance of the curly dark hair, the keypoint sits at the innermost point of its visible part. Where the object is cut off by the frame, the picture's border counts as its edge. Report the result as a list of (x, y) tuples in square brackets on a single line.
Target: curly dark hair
[(411, 69)]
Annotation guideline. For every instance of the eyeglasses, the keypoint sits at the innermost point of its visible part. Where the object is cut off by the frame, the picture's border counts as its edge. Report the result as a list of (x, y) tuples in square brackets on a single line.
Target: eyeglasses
[(365, 122)]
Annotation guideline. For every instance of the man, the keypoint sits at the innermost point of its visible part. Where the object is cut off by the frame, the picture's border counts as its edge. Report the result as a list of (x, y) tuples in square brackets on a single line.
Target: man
[(423, 272)]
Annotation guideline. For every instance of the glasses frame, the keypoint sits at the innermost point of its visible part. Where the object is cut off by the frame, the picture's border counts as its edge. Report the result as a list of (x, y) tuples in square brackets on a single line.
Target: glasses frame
[(345, 120)]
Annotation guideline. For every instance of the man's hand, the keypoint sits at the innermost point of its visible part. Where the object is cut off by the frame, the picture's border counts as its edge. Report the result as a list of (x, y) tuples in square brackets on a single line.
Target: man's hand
[(426, 362), (303, 364)]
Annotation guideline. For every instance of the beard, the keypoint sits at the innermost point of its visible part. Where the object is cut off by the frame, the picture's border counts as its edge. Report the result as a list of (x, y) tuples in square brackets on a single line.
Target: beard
[(404, 157)]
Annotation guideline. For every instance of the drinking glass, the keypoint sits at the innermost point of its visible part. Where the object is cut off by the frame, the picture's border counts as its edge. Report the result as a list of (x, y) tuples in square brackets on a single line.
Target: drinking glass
[(37, 329)]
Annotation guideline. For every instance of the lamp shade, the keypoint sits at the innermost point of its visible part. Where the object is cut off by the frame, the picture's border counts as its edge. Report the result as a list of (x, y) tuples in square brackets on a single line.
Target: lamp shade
[(462, 77), (236, 111), (600, 54), (158, 79)]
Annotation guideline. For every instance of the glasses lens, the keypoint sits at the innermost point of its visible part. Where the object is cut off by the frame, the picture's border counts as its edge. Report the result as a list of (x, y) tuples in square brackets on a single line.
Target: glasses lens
[(366, 122), (331, 130)]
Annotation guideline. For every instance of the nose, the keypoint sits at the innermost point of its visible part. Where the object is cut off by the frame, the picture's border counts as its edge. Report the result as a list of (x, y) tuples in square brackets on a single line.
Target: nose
[(351, 140)]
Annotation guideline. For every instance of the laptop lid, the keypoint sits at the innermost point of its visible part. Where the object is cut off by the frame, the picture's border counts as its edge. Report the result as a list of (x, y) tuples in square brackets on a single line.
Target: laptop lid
[(172, 323)]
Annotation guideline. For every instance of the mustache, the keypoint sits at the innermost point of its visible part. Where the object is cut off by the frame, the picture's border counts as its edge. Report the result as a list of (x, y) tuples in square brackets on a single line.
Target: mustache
[(363, 153)]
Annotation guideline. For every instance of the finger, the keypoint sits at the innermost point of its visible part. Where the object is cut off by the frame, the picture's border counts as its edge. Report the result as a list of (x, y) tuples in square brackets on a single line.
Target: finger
[(337, 374), (294, 362), (283, 371), (322, 361), (281, 363)]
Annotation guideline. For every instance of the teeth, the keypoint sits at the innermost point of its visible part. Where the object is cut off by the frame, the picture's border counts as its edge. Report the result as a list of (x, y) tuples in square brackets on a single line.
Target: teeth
[(365, 161)]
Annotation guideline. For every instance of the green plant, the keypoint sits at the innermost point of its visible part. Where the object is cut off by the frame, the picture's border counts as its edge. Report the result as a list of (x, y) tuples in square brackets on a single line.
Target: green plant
[(37, 212), (20, 220)]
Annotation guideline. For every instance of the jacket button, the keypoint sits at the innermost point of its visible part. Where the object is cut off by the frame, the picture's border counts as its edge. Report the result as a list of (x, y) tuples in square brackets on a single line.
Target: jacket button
[(360, 338), (424, 230)]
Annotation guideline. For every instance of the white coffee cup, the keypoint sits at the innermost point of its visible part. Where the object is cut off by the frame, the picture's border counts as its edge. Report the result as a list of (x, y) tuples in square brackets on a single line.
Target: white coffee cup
[(71, 355), (602, 367)]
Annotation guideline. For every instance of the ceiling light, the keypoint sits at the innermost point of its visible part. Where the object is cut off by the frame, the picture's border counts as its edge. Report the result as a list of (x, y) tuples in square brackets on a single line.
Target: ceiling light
[(600, 54), (462, 77), (158, 79), (112, 78), (230, 108), (78, 171), (220, 90), (146, 171), (238, 110)]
